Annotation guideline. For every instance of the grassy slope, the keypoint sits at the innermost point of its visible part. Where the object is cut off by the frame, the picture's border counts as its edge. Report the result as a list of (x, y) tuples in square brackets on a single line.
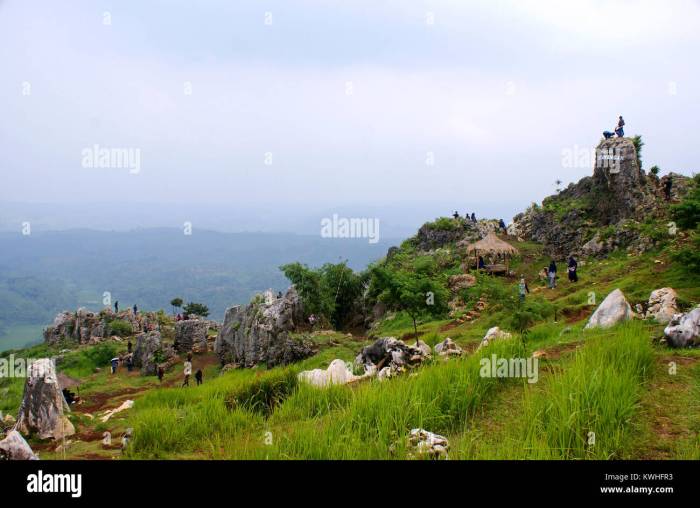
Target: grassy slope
[(618, 379)]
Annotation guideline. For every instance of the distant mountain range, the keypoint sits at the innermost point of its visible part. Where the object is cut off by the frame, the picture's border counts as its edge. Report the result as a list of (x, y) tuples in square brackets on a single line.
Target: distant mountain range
[(46, 272)]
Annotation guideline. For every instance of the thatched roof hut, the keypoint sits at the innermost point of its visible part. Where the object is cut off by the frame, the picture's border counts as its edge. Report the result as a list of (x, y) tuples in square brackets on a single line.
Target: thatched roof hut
[(491, 244), (494, 246)]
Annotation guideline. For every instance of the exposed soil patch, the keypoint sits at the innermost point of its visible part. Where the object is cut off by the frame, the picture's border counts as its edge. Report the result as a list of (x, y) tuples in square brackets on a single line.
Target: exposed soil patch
[(575, 314)]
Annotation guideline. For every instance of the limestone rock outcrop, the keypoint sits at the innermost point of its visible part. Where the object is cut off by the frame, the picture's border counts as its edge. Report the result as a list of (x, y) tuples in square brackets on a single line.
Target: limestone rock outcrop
[(393, 353), (43, 407), (260, 332), (150, 352), (87, 327), (191, 334), (615, 200)]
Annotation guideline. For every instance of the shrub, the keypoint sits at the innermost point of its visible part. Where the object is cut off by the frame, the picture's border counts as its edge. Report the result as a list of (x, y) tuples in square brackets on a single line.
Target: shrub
[(120, 328)]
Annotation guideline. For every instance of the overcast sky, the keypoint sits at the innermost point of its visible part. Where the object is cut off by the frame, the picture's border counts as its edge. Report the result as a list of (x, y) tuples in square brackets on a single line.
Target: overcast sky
[(337, 103)]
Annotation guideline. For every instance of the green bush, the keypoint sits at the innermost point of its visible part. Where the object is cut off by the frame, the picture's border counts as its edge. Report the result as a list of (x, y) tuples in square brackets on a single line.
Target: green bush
[(120, 328)]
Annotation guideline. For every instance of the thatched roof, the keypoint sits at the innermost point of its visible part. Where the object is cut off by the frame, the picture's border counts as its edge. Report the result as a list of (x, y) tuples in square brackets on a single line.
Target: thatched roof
[(491, 244)]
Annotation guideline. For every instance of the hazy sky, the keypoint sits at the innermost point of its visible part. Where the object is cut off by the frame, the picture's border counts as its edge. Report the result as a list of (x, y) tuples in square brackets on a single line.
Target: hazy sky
[(349, 100)]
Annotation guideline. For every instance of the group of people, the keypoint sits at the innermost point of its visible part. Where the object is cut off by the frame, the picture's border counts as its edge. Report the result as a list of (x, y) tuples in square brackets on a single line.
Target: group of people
[(467, 216), (160, 371), (198, 376), (549, 274), (619, 130), (116, 308)]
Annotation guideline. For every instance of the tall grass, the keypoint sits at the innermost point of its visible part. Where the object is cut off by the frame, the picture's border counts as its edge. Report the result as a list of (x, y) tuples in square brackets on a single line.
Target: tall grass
[(585, 409), (207, 418), (376, 422)]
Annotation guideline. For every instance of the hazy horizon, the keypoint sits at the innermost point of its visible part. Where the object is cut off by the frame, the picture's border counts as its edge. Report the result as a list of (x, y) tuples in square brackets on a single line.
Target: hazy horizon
[(288, 113)]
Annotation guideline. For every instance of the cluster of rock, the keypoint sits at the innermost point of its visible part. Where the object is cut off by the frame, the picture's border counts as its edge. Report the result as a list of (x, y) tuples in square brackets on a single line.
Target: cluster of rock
[(682, 330), (260, 332), (425, 444), (385, 358), (619, 195), (390, 356), (87, 327)]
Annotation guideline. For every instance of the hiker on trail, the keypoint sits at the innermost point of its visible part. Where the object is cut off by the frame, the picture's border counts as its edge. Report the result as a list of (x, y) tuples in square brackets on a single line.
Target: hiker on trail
[(188, 372), (130, 362), (619, 129), (573, 266), (480, 263), (456, 215), (126, 438), (502, 225), (128, 347), (522, 289), (198, 376), (473, 217), (279, 295), (161, 373), (115, 364), (668, 184), (552, 274), (116, 306), (136, 310)]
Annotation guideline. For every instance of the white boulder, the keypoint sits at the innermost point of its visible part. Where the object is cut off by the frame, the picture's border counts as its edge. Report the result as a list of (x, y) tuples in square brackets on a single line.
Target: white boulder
[(14, 447), (337, 373), (614, 309), (684, 329), (494, 333)]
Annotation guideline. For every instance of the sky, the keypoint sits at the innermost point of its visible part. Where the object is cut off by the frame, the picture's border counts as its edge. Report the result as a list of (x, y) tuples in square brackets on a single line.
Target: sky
[(288, 111)]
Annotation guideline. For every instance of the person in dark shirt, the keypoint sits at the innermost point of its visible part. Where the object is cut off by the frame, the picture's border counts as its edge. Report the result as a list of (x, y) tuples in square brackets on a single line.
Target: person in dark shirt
[(573, 266)]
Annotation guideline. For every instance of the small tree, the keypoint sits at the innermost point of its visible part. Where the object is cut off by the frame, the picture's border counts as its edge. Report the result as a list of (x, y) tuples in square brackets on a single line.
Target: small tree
[(176, 303), (197, 308), (412, 292)]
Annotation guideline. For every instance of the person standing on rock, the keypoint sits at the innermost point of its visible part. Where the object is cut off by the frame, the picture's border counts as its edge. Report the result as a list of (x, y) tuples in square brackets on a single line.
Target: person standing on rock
[(552, 274), (136, 310), (573, 266), (619, 129), (116, 306), (473, 217), (188, 372), (502, 225)]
